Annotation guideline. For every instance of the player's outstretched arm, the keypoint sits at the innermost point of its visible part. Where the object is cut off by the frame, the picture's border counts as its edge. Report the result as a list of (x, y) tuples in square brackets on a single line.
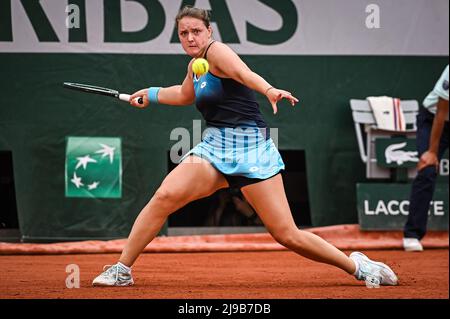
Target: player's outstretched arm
[(230, 65), (177, 95)]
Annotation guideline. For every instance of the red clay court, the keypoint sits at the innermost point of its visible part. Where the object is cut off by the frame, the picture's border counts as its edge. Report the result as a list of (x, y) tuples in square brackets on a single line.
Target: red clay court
[(254, 275), (209, 267)]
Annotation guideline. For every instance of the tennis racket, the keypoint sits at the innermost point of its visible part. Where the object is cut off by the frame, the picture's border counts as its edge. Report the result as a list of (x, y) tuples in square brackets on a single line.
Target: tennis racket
[(101, 91)]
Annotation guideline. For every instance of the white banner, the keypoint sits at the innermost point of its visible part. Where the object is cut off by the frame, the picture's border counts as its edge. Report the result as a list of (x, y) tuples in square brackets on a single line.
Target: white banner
[(284, 27)]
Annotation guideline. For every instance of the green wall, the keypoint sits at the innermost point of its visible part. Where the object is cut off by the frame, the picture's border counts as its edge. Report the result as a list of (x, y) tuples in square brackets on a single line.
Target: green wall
[(36, 115)]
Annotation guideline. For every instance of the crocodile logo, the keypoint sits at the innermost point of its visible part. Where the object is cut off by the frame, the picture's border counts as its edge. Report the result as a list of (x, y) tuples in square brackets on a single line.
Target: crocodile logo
[(394, 153)]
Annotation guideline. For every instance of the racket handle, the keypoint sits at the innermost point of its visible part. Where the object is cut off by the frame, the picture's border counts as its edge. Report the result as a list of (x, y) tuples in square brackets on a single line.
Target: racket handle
[(126, 98)]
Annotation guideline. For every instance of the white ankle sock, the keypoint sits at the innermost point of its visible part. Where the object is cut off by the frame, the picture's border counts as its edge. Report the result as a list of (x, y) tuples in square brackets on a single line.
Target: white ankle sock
[(128, 269)]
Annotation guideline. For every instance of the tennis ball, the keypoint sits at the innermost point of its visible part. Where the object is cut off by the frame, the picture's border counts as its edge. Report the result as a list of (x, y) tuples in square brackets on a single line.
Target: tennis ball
[(200, 66)]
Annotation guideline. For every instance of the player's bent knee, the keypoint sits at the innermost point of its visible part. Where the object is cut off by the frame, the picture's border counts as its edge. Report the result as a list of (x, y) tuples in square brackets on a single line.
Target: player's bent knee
[(288, 237), (164, 197)]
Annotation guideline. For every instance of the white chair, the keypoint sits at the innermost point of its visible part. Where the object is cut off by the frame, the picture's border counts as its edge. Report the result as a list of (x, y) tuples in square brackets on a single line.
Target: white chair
[(363, 116)]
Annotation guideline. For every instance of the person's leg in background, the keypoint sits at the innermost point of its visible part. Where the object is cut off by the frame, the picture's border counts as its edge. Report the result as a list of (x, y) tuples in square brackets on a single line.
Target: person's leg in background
[(423, 185)]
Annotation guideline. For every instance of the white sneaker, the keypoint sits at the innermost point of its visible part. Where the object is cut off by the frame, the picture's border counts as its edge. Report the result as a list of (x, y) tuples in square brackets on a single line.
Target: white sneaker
[(412, 244), (114, 275), (372, 272)]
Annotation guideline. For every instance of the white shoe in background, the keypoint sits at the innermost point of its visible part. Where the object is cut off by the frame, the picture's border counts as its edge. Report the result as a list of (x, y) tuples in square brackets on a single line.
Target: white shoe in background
[(412, 244)]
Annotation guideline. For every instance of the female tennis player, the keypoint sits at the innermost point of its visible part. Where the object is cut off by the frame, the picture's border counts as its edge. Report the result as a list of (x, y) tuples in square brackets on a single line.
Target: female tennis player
[(226, 98)]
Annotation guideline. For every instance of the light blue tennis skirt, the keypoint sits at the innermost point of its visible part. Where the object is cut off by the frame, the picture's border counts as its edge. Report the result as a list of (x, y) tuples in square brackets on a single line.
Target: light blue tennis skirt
[(239, 152)]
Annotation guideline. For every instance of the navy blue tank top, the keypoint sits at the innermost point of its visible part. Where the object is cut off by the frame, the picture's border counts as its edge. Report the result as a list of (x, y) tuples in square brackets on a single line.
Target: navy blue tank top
[(226, 102)]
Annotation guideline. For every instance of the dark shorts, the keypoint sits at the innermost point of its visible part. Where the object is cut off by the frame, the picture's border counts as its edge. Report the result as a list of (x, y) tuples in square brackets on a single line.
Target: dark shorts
[(242, 181)]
